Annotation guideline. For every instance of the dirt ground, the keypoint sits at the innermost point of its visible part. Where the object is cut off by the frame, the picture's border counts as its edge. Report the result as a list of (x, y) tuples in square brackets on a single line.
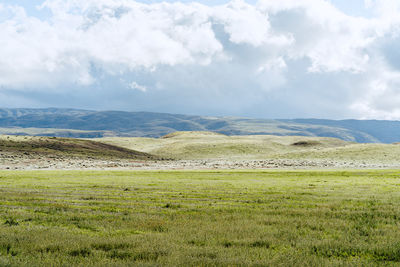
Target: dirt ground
[(11, 161)]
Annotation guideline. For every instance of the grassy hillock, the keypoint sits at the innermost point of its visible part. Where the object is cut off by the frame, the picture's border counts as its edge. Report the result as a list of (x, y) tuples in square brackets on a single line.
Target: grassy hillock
[(66, 147), (208, 145)]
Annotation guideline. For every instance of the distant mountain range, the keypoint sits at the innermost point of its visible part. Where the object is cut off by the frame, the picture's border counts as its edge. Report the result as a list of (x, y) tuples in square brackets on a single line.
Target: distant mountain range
[(89, 124)]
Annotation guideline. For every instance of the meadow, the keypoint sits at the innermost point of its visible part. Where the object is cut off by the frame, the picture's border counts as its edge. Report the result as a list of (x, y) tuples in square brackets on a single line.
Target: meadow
[(200, 218)]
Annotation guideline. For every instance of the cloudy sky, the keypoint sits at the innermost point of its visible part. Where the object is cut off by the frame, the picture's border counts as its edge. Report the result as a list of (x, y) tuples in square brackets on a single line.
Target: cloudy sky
[(266, 58)]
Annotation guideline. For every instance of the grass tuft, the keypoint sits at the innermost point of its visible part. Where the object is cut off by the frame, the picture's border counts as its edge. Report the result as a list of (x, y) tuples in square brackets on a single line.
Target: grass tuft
[(82, 252), (11, 222)]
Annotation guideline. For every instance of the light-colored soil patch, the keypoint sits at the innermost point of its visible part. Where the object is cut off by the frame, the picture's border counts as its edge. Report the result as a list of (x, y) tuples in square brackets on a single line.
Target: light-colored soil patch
[(37, 162)]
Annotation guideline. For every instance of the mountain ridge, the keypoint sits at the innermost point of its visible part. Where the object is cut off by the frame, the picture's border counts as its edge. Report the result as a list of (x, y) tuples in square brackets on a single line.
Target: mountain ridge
[(65, 122)]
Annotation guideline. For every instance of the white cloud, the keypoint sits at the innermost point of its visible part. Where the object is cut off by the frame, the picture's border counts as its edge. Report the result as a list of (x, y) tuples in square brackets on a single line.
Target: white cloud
[(271, 65), (234, 54), (136, 86), (114, 35), (332, 40), (387, 9), (382, 95), (247, 24), (33, 54)]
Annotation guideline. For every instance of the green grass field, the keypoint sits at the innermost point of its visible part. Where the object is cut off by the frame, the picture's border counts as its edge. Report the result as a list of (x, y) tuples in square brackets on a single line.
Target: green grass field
[(202, 218)]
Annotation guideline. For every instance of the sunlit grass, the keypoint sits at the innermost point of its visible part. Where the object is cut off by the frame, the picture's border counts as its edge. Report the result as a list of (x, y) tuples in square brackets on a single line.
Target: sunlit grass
[(198, 218), (188, 145), (208, 145)]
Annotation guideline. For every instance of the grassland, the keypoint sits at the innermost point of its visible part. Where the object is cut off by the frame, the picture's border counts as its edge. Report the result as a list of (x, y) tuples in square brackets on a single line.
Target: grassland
[(193, 150), (209, 145), (202, 218), (206, 145)]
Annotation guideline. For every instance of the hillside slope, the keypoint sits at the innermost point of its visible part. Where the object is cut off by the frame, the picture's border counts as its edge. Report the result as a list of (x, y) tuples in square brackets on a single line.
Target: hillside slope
[(382, 131), (92, 124), (319, 150), (206, 145), (66, 147)]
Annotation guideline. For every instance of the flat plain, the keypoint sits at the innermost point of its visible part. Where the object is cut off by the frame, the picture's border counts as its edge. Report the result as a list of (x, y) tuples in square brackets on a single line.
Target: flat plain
[(200, 218)]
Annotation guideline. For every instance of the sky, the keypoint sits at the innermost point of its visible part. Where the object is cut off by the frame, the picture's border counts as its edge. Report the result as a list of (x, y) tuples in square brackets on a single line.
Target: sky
[(331, 59)]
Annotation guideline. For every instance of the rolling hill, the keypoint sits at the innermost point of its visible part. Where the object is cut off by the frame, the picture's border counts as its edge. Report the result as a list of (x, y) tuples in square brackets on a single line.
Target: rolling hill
[(208, 145), (66, 147), (94, 124), (219, 147)]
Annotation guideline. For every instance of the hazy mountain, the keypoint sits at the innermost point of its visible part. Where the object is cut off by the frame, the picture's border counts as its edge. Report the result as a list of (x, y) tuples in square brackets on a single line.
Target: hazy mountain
[(86, 123), (382, 130)]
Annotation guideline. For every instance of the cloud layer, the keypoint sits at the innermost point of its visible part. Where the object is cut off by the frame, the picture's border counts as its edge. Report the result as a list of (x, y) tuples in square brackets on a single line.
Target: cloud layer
[(287, 58)]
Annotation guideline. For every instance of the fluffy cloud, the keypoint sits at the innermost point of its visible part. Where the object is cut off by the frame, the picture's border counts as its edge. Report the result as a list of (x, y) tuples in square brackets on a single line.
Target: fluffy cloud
[(136, 86), (282, 58), (382, 97)]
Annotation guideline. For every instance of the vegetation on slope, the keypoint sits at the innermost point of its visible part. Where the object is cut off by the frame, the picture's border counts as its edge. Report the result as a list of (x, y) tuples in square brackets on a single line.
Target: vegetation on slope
[(193, 145), (384, 131), (147, 124), (206, 145), (280, 218), (69, 147)]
